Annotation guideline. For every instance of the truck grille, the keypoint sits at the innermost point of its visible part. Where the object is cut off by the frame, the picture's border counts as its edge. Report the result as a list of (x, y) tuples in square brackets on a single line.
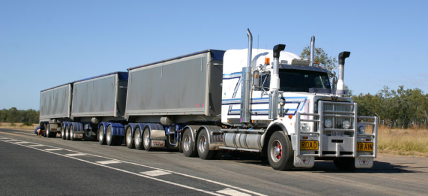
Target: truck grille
[(338, 113)]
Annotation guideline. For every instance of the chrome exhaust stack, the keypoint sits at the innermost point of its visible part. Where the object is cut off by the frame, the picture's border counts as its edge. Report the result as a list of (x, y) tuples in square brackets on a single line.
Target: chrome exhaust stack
[(340, 83), (274, 82), (246, 84), (312, 51)]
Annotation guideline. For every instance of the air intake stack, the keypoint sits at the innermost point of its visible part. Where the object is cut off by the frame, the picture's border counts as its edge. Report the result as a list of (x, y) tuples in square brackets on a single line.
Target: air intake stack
[(340, 82)]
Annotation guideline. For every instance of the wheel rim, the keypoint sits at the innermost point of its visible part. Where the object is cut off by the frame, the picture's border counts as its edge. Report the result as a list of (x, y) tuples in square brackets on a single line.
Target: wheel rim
[(276, 151), (202, 143), (67, 133), (186, 142), (128, 137), (146, 138)]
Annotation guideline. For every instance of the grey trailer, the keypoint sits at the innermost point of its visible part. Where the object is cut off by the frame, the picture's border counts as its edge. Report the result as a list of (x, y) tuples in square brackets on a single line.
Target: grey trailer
[(97, 102), (100, 96), (186, 88), (55, 106)]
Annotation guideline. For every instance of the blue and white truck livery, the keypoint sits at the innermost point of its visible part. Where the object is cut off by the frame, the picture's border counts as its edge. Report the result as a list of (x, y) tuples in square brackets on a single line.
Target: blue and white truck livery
[(265, 101)]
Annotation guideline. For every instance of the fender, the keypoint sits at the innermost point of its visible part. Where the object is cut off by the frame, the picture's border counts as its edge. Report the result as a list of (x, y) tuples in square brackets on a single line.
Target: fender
[(211, 139), (273, 127)]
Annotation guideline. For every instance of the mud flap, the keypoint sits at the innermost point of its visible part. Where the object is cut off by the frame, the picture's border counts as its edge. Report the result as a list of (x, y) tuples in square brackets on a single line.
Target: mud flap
[(157, 144), (306, 162), (363, 162)]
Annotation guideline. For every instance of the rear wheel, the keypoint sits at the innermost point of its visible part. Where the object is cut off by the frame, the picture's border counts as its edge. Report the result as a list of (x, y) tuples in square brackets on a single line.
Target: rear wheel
[(280, 152), (345, 164), (188, 144), (101, 137), (204, 151), (137, 139), (129, 140), (146, 139)]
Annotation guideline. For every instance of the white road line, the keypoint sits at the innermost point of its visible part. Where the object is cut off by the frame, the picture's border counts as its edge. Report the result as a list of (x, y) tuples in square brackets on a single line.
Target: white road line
[(75, 155), (37, 145), (53, 149), (22, 142), (154, 173), (228, 191), (109, 162)]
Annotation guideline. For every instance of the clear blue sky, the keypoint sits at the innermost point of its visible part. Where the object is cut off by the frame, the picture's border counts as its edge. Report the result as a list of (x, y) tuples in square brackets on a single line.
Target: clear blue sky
[(48, 43)]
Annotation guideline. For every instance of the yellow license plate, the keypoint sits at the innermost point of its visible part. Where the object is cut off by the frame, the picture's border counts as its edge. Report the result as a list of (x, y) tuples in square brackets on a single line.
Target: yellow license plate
[(308, 145), (363, 146)]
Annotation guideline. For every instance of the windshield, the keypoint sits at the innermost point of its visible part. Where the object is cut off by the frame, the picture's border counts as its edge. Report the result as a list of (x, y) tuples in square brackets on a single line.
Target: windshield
[(293, 80)]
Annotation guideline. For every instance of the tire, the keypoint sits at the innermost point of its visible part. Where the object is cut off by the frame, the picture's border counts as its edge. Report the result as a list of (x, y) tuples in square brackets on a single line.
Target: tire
[(72, 133), (110, 139), (129, 140), (63, 132), (280, 152), (67, 133), (137, 139), (345, 164), (101, 136), (188, 144), (203, 144), (48, 132), (146, 139)]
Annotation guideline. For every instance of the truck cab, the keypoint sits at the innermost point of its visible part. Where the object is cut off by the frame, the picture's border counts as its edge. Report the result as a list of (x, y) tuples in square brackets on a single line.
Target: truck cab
[(296, 112)]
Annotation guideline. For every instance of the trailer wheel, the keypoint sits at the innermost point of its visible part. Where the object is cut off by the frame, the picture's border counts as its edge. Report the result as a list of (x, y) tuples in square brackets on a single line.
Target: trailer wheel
[(146, 139), (280, 152), (72, 136), (188, 145), (345, 164), (110, 139), (48, 132), (204, 151), (101, 137), (63, 133), (137, 139), (129, 140), (67, 133)]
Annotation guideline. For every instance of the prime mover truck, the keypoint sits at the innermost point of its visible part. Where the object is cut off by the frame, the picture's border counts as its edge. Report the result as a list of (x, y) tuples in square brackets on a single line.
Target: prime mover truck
[(288, 109)]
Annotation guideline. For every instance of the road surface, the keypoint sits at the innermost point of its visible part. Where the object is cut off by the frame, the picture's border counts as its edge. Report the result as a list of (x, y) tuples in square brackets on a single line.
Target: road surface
[(30, 165)]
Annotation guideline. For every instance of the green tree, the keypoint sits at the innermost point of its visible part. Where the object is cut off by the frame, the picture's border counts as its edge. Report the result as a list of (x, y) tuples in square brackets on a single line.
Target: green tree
[(320, 56)]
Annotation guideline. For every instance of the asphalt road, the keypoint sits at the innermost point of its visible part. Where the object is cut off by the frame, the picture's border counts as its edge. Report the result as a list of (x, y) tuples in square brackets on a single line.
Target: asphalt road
[(30, 165)]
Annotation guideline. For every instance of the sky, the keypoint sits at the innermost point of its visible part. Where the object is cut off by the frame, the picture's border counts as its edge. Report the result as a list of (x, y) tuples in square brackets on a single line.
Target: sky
[(47, 43)]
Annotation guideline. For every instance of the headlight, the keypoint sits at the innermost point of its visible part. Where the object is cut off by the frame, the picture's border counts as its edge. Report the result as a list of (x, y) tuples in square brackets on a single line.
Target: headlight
[(327, 123), (362, 129), (346, 124), (304, 127)]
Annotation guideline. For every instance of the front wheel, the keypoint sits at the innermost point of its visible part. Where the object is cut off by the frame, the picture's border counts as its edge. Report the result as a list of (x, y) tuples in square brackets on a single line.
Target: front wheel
[(188, 146), (345, 164), (280, 151), (101, 137)]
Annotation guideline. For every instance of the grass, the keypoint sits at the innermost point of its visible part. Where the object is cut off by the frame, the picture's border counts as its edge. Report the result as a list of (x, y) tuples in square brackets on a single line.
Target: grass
[(410, 142), (18, 125)]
